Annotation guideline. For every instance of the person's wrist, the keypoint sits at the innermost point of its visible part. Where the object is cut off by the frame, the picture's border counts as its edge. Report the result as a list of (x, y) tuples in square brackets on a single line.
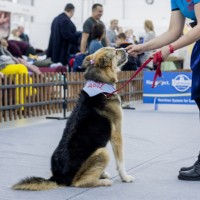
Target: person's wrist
[(171, 48), (144, 47)]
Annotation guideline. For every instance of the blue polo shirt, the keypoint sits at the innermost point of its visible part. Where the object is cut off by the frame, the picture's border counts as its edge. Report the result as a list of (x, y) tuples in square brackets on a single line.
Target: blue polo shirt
[(185, 6)]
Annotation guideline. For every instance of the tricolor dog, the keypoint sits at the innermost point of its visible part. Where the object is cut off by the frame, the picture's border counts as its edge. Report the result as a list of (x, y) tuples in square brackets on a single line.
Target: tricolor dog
[(81, 156)]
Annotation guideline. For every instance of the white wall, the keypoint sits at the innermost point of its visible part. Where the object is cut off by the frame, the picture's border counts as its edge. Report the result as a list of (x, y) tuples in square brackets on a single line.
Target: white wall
[(131, 14), (46, 10)]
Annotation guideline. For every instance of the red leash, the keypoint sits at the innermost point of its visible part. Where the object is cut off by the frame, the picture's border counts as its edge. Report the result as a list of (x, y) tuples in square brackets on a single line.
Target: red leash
[(157, 59)]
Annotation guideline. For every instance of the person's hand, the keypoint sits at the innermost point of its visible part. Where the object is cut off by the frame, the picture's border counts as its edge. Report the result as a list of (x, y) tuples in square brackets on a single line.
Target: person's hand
[(16, 60), (21, 61), (1, 75), (135, 50), (3, 18), (78, 53)]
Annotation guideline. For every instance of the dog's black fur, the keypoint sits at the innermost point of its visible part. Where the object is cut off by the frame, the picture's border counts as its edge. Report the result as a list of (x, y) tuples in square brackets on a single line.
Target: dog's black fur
[(85, 132)]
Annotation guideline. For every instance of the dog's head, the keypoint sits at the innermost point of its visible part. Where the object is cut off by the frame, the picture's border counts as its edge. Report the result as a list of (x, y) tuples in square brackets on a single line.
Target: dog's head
[(103, 65)]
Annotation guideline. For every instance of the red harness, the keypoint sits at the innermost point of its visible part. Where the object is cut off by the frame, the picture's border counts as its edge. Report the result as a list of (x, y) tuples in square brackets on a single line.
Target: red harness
[(157, 59)]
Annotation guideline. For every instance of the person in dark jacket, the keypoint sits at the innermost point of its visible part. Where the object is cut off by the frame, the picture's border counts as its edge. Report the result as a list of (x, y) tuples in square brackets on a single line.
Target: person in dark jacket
[(64, 36)]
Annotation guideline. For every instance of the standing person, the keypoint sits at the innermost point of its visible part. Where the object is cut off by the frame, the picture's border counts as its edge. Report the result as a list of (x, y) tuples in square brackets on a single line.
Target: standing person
[(63, 36), (111, 32), (173, 40), (150, 34), (97, 12), (23, 36)]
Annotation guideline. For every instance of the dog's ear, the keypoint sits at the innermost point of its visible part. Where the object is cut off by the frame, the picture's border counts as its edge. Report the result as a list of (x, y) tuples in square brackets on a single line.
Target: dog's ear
[(87, 62), (104, 61)]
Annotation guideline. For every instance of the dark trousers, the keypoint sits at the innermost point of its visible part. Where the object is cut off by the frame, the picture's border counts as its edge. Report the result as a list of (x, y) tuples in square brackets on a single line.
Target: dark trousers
[(198, 103)]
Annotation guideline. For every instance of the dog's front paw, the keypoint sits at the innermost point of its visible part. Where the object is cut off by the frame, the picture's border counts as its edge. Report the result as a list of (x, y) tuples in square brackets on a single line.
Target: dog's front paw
[(105, 182), (128, 178)]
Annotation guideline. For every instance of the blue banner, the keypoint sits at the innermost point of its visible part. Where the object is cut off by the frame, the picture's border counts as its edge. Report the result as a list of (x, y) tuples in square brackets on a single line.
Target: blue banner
[(171, 88)]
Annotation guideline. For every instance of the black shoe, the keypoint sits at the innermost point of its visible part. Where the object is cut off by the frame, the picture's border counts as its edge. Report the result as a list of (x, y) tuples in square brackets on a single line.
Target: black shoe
[(189, 168), (191, 175)]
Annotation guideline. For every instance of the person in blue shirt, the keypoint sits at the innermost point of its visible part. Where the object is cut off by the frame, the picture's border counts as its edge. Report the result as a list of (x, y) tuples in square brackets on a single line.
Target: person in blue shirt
[(171, 40), (98, 32)]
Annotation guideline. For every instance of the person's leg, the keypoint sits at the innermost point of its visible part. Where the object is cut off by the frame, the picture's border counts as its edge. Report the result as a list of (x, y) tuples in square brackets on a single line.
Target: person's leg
[(30, 50), (192, 173), (198, 104)]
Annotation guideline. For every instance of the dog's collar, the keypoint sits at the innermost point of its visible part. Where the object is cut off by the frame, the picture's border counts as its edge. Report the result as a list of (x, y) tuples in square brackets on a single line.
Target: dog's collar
[(93, 88)]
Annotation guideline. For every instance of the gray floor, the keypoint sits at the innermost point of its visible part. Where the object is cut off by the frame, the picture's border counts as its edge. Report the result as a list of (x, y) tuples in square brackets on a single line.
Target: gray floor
[(156, 145)]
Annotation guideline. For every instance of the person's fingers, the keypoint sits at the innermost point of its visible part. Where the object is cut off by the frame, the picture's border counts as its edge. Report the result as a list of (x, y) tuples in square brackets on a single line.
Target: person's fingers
[(129, 50), (132, 51), (134, 54), (151, 55), (129, 47)]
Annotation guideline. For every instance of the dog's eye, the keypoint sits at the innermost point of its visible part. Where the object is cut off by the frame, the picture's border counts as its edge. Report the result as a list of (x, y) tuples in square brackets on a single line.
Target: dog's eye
[(116, 52)]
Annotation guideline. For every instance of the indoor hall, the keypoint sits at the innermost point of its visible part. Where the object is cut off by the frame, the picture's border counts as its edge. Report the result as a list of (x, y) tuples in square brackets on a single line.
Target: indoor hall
[(93, 84)]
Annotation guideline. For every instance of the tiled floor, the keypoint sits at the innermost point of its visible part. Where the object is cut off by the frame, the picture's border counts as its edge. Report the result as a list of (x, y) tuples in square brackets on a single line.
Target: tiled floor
[(156, 145)]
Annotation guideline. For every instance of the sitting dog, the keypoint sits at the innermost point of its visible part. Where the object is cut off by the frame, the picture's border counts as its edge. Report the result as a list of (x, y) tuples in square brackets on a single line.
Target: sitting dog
[(81, 156)]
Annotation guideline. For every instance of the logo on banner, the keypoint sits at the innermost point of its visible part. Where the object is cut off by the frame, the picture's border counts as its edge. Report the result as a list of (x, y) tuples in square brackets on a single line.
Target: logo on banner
[(181, 83)]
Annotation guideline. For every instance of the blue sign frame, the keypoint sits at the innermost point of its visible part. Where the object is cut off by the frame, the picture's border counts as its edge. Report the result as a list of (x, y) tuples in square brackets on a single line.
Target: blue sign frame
[(171, 88)]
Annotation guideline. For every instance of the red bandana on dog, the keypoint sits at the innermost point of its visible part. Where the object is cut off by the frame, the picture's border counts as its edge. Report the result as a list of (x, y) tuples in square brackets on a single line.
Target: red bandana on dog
[(93, 88)]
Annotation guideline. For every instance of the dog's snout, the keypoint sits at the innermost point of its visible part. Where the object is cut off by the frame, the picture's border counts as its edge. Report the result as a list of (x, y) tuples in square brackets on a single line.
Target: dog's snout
[(125, 52), (123, 49)]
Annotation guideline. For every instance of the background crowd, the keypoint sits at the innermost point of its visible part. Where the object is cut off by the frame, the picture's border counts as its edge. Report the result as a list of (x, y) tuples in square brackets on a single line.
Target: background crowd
[(67, 46)]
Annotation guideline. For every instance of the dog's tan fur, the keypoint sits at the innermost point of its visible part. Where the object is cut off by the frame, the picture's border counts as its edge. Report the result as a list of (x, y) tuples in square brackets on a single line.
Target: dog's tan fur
[(94, 167)]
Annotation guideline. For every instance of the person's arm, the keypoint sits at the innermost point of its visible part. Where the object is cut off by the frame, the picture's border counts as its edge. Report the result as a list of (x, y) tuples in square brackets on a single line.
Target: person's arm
[(187, 39), (107, 41), (31, 67), (87, 27), (109, 37), (84, 40), (191, 36), (173, 33)]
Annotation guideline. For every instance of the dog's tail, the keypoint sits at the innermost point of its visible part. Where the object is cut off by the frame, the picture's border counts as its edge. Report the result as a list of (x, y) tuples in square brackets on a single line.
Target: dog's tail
[(35, 184)]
